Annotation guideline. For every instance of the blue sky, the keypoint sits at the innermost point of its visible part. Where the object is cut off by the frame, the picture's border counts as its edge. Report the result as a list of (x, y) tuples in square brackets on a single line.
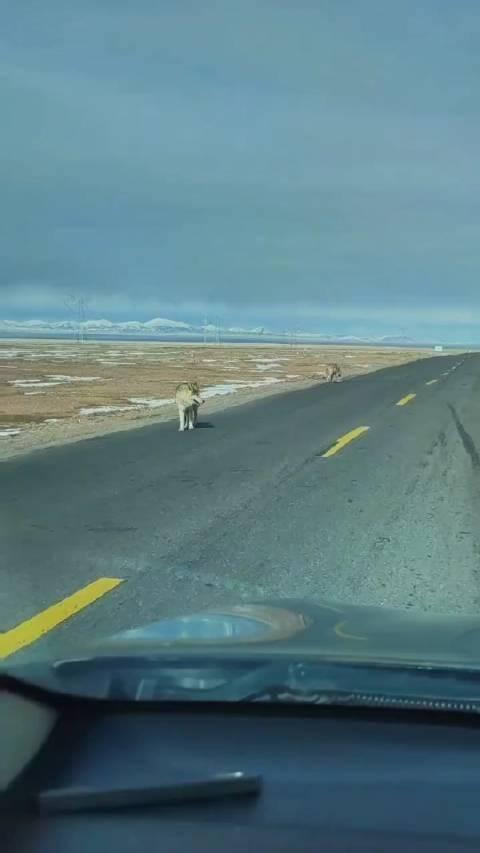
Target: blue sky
[(294, 163)]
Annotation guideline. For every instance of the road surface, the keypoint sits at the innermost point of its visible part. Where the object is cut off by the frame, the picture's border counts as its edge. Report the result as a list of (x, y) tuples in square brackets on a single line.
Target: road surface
[(263, 501)]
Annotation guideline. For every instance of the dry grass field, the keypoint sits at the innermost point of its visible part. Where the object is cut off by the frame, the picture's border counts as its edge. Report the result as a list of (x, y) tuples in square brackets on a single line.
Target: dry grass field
[(56, 392)]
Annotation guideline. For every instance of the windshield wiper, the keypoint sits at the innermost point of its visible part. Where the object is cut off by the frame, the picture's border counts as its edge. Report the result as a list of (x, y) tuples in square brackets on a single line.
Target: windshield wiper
[(106, 799)]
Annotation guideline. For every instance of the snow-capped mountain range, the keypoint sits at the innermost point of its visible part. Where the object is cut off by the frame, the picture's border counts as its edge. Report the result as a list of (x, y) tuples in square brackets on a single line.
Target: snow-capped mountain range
[(163, 328), (104, 326)]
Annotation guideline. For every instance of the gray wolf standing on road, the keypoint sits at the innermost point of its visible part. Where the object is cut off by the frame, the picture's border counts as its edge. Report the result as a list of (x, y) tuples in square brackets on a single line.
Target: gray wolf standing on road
[(333, 373), (187, 396)]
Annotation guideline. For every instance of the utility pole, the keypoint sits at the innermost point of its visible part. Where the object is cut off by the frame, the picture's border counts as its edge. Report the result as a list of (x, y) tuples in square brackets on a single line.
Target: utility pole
[(70, 302), (77, 305), (81, 313)]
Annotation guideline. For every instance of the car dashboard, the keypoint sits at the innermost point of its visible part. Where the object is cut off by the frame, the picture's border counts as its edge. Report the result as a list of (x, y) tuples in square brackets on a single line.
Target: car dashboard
[(331, 779)]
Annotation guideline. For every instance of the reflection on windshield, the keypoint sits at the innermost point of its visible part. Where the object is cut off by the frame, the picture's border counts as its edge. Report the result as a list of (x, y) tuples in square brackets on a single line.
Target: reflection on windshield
[(243, 623)]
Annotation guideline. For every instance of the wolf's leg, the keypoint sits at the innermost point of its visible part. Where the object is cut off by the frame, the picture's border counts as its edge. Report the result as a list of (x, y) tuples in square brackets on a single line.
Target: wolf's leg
[(181, 417)]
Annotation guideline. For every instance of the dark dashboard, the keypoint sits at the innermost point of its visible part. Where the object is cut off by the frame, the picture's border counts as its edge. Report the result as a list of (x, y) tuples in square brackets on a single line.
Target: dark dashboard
[(331, 779)]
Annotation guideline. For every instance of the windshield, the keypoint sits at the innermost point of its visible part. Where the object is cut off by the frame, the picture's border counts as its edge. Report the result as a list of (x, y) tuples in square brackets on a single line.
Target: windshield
[(239, 369)]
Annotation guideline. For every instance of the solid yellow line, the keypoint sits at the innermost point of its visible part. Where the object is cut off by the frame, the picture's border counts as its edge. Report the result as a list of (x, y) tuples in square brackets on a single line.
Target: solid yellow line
[(32, 629), (345, 439), (405, 400), (432, 382)]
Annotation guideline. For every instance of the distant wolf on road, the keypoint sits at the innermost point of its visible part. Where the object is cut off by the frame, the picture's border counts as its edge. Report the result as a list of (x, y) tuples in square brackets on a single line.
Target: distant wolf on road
[(333, 372), (187, 396)]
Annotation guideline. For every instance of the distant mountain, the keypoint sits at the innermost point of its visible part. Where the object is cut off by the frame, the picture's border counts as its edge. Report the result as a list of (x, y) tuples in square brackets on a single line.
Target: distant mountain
[(158, 325), (399, 340), (163, 327), (162, 323), (103, 326)]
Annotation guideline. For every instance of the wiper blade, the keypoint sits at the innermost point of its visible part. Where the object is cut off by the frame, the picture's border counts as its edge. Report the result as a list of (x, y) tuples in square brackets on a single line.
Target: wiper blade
[(107, 799)]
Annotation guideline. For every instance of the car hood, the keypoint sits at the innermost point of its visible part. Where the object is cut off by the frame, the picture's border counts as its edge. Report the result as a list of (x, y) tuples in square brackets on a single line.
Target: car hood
[(302, 629)]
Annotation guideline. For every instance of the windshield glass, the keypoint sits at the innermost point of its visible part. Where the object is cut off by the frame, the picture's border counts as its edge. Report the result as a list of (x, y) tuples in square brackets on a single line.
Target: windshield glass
[(239, 369)]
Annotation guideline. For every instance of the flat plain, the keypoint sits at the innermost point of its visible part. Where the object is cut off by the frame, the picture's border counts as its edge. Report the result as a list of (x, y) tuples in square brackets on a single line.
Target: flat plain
[(55, 392)]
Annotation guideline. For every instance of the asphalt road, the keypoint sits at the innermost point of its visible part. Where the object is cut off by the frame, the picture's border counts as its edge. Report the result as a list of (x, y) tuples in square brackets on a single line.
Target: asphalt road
[(247, 506)]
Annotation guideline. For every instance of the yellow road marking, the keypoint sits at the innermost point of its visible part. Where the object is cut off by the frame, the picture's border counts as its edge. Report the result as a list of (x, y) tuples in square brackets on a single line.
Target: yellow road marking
[(432, 382), (345, 439), (32, 629), (405, 400), (340, 632)]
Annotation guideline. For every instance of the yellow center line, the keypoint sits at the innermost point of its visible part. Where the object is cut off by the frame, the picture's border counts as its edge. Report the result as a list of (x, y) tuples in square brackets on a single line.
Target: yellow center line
[(432, 382), (405, 400), (345, 439), (33, 629)]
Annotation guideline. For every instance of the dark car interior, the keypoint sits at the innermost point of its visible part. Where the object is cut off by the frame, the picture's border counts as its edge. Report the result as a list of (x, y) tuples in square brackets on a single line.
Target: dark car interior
[(92, 775)]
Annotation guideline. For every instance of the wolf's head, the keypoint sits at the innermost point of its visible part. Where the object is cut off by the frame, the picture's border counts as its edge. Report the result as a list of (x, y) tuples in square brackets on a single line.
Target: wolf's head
[(194, 389)]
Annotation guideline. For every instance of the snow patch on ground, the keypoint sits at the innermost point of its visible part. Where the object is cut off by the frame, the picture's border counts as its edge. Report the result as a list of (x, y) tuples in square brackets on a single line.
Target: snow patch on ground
[(9, 431), (105, 410), (115, 363), (269, 360), (60, 377), (36, 356), (150, 402), (62, 355), (51, 380), (260, 365), (134, 404), (230, 387), (31, 383)]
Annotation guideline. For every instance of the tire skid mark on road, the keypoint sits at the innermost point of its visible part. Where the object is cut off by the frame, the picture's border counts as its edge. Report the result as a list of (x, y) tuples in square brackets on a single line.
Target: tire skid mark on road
[(42, 623), (466, 438)]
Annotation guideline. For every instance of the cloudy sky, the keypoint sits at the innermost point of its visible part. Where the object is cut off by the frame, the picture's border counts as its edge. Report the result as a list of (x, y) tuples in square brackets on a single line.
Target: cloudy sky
[(296, 163)]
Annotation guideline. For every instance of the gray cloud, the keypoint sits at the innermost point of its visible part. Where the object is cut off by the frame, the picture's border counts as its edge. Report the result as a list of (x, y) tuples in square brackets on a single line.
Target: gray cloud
[(270, 160)]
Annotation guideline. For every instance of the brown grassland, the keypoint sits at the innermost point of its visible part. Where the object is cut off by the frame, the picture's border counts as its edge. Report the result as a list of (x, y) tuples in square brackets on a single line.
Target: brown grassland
[(55, 392)]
